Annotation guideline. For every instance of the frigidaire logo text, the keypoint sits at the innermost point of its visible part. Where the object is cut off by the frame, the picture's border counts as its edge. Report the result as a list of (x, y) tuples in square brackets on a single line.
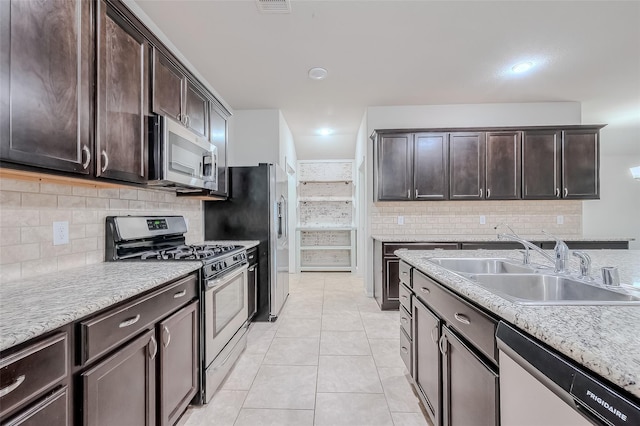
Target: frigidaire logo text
[(607, 406)]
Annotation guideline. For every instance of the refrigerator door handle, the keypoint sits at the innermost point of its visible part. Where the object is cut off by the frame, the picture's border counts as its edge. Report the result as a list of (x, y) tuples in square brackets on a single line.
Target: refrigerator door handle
[(282, 221)]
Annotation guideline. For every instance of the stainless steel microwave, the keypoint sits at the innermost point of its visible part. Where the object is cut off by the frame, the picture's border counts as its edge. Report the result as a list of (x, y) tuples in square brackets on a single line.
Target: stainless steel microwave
[(180, 159)]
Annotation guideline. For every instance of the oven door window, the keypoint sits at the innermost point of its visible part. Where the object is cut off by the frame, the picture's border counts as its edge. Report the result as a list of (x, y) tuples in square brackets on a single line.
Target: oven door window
[(228, 302)]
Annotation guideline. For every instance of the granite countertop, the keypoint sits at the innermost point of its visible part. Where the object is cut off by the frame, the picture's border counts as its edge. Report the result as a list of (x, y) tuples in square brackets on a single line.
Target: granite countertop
[(604, 339), (34, 306), (479, 238)]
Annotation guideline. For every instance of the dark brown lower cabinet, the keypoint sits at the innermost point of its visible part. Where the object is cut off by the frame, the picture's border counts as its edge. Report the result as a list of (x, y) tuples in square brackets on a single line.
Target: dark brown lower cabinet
[(51, 411), (426, 359), (178, 357), (469, 385), (121, 390)]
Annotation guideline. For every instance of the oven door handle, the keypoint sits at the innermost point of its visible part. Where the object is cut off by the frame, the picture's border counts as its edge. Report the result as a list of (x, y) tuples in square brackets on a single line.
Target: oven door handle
[(212, 284)]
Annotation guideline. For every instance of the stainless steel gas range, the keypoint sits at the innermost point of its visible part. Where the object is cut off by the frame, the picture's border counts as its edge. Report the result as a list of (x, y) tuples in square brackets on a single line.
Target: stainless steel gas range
[(223, 284)]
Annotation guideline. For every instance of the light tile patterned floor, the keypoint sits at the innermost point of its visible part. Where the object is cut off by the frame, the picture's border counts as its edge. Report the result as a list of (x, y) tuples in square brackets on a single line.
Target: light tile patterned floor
[(331, 359)]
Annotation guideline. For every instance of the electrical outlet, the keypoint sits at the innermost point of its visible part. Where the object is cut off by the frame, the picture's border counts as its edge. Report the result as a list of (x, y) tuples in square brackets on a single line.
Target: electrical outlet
[(60, 233), (559, 220), (400, 220), (483, 220)]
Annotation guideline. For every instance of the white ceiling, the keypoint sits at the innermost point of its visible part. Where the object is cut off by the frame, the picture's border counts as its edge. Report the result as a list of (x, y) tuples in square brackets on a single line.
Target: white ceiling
[(381, 53)]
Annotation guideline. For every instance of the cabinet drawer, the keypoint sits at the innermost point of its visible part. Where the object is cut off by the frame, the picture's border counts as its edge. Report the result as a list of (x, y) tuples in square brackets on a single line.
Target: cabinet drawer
[(388, 249), (405, 273), (405, 350), (404, 294), (469, 321), (106, 331), (51, 411), (32, 371), (405, 321)]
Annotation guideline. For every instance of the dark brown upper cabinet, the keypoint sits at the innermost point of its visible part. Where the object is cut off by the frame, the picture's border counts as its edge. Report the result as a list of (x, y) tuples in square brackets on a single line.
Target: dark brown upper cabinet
[(503, 165), (430, 162), (541, 165), (45, 85), (122, 98), (175, 95), (580, 164), (218, 136), (466, 165), (395, 166), (561, 164)]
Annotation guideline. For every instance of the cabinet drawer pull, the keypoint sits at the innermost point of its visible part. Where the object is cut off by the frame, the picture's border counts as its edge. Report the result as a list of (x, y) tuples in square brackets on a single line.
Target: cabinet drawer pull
[(404, 272), (404, 320), (434, 339), (130, 321), (85, 151), (425, 290), (13, 386), (462, 318), (154, 351), (404, 296), (179, 294), (253, 268), (166, 340), (404, 350), (566, 192), (251, 257)]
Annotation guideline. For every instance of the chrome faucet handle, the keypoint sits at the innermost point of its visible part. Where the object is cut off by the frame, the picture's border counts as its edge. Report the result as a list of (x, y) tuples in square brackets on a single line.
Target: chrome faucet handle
[(585, 265), (506, 225)]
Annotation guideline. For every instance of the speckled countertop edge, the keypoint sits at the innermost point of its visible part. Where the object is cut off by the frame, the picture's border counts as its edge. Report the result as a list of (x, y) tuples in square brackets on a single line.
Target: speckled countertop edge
[(32, 307), (604, 339), (479, 238)]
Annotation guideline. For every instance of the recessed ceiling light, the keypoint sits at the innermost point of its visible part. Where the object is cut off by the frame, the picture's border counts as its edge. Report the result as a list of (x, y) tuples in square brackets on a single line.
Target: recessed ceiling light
[(522, 67), (325, 131), (318, 73)]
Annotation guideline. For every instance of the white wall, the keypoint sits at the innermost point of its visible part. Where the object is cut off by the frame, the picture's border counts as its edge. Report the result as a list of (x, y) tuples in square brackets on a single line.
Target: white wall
[(464, 115), (361, 195), (288, 160), (254, 137)]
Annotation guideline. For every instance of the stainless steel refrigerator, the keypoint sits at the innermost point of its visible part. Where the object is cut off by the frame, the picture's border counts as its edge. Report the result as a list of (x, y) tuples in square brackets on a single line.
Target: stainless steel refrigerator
[(257, 210)]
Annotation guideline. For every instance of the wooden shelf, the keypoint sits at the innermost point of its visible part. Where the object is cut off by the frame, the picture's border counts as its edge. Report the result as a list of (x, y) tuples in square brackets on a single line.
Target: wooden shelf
[(324, 199), (325, 247)]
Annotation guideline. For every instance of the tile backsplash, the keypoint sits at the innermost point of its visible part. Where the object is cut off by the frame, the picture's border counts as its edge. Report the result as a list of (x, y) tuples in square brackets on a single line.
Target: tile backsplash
[(526, 217), (28, 209)]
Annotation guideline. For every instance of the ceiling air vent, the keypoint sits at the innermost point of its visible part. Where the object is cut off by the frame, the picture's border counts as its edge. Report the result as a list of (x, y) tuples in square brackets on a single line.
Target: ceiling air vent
[(274, 6)]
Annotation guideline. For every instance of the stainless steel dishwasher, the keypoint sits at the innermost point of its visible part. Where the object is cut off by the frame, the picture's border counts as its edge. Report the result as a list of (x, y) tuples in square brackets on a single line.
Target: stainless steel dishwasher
[(539, 387)]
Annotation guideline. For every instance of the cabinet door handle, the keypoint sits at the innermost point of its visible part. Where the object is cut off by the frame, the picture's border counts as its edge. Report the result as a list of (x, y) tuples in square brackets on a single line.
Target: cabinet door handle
[(179, 294), (408, 193), (87, 153), (462, 318), (179, 118), (442, 343), (434, 339), (165, 332), (129, 321), (251, 257), (488, 193), (154, 351), (416, 193), (404, 349), (105, 164), (13, 386), (480, 192), (557, 192), (404, 320), (425, 290), (566, 192)]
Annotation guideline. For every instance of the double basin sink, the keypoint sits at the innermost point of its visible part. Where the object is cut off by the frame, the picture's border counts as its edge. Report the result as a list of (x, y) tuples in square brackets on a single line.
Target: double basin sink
[(525, 284)]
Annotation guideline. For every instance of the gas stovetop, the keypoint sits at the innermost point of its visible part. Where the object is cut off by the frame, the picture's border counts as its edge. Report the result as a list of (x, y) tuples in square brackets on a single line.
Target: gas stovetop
[(148, 238)]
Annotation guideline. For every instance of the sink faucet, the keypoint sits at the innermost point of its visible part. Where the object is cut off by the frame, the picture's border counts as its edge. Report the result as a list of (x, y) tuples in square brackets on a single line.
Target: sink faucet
[(561, 251), (561, 254)]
